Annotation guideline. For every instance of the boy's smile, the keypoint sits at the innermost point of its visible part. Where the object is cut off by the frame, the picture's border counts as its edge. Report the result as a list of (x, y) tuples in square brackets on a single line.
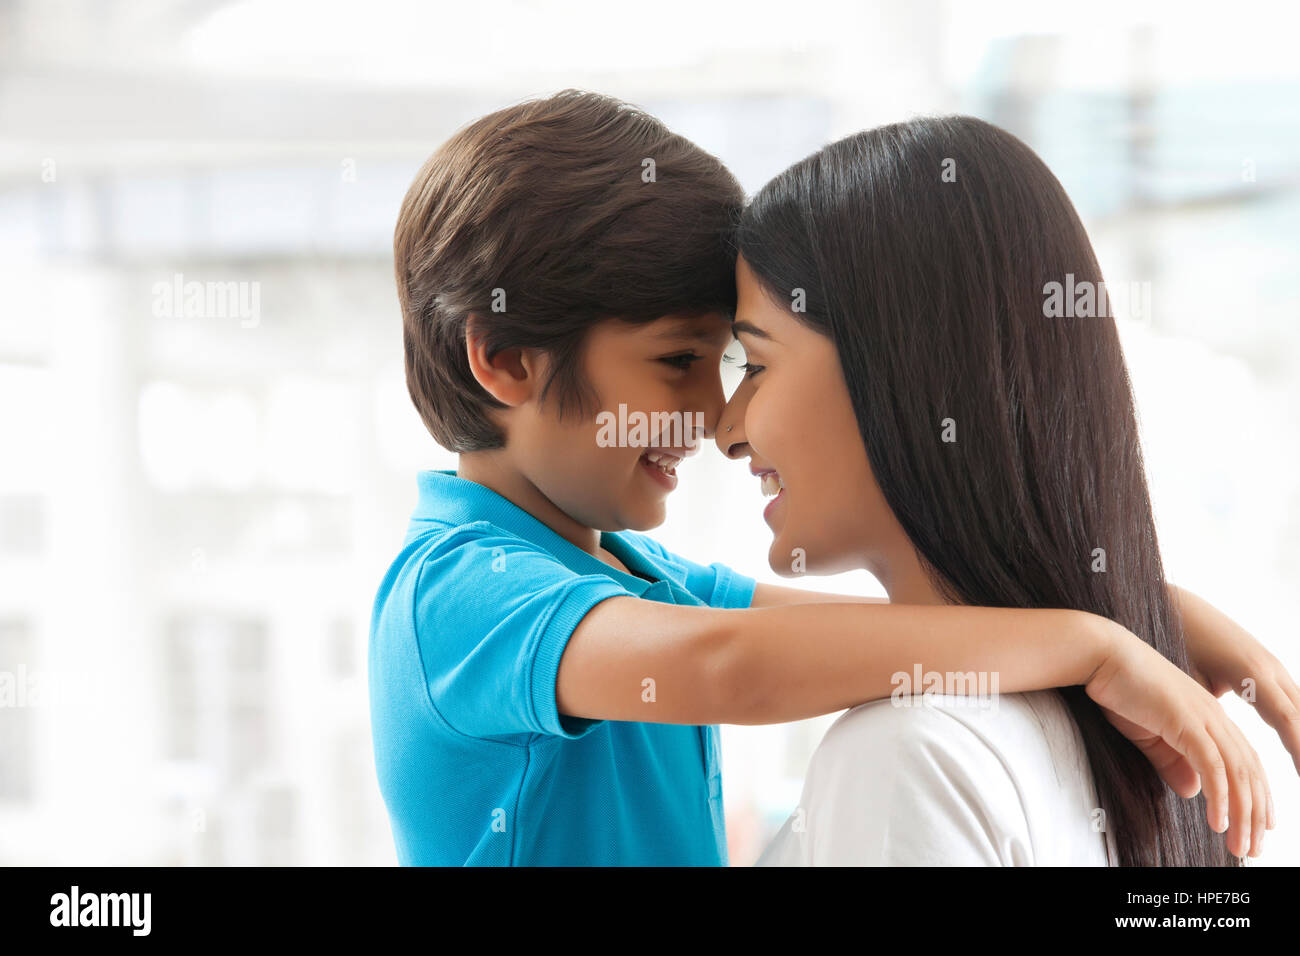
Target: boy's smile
[(654, 393), (661, 464), (667, 373)]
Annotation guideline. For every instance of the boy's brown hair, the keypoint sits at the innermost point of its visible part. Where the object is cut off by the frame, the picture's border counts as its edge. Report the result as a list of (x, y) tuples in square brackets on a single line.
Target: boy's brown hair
[(560, 212)]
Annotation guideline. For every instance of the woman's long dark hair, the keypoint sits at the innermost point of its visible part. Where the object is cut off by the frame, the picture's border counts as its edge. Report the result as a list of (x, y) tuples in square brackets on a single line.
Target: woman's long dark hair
[(925, 250)]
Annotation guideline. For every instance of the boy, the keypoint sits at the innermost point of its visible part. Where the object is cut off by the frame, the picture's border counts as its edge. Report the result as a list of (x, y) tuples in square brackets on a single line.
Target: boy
[(545, 683)]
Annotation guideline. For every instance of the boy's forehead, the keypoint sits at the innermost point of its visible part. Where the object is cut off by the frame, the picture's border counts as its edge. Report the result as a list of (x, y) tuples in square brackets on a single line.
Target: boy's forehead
[(708, 328)]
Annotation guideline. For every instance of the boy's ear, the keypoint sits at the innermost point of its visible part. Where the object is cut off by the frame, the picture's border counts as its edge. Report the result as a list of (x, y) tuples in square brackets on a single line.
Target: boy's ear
[(511, 376)]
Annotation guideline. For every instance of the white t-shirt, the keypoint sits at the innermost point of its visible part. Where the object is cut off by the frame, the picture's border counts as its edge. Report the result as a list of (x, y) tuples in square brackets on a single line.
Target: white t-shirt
[(948, 781)]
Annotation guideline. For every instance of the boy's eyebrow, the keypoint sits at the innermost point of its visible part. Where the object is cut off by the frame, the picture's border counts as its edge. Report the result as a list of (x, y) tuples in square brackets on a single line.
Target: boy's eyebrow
[(703, 333), (741, 327)]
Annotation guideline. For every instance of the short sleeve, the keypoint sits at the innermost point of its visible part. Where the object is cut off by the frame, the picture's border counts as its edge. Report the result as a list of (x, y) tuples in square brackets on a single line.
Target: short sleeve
[(716, 584), (910, 786), (493, 615)]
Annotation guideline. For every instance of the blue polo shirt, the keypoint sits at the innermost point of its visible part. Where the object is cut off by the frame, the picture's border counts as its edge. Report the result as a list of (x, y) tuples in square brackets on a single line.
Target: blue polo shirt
[(475, 763)]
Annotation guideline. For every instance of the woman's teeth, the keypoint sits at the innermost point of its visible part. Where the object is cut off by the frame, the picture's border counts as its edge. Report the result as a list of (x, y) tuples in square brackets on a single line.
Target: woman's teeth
[(667, 463), (771, 484)]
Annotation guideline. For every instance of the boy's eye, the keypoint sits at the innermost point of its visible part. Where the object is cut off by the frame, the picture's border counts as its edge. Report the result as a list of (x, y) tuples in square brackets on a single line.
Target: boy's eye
[(683, 361)]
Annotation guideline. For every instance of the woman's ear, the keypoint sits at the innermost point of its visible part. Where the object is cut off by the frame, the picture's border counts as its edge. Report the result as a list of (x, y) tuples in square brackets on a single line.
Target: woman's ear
[(511, 376)]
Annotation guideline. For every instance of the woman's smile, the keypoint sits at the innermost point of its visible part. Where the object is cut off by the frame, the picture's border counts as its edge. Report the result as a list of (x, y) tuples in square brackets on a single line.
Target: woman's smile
[(772, 487), (771, 506)]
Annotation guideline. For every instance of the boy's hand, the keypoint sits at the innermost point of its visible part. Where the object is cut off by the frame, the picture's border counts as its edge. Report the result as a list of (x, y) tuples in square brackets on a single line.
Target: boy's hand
[(1225, 657), (1187, 737)]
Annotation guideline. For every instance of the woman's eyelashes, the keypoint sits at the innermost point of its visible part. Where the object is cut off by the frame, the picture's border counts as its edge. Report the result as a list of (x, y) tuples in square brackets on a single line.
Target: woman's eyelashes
[(749, 368)]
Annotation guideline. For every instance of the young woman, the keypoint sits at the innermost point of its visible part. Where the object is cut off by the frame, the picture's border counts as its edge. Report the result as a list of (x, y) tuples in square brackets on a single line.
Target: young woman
[(924, 418)]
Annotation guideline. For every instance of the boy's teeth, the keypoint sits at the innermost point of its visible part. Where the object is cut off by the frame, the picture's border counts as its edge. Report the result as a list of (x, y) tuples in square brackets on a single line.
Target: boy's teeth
[(665, 462), (771, 484)]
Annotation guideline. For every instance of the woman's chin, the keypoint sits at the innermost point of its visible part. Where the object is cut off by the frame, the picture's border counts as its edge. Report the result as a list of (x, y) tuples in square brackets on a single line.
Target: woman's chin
[(787, 561), (791, 560)]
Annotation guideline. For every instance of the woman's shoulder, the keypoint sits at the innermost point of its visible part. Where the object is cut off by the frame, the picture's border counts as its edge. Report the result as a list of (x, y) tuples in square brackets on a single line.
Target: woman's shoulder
[(1036, 720), (1028, 741), (1009, 769), (942, 737)]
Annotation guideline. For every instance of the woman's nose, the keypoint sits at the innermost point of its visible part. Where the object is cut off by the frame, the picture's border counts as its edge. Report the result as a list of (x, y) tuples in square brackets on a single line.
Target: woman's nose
[(731, 426)]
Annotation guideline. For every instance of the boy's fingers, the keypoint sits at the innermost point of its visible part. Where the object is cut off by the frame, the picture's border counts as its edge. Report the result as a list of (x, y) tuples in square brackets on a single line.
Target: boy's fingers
[(1184, 779), (1258, 791), (1203, 753), (1174, 769), (1269, 822), (1259, 801), (1251, 772), (1259, 815), (1279, 704), (1241, 782)]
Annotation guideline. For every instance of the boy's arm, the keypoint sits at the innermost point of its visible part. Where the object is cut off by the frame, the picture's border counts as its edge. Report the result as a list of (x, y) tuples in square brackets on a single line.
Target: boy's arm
[(635, 660), (789, 662), (1224, 657), (775, 595)]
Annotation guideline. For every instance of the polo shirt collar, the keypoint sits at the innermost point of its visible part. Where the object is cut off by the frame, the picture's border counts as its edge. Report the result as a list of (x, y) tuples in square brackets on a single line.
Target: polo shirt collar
[(444, 497)]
